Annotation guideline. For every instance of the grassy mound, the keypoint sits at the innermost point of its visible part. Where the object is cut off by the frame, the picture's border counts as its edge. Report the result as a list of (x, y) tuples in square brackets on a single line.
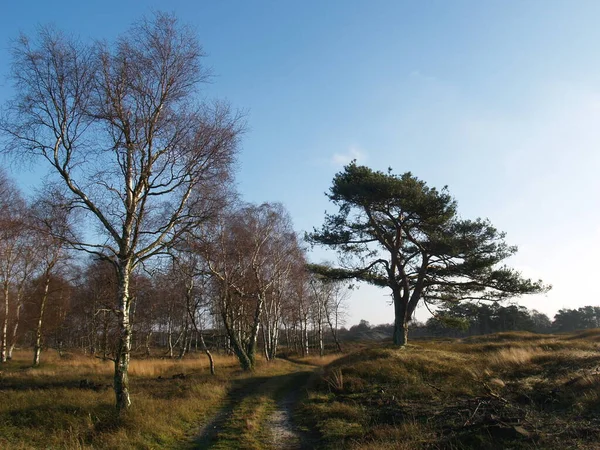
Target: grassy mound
[(512, 390)]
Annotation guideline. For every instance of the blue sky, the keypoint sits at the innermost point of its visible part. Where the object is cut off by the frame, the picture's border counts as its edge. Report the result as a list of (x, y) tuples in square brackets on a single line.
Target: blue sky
[(499, 100)]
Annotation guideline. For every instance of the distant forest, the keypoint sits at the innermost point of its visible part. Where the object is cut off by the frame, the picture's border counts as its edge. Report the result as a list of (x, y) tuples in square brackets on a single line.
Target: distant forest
[(469, 319)]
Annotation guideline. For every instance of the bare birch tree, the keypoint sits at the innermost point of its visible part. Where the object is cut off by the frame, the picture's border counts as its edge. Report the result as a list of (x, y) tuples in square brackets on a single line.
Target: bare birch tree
[(329, 301), (50, 226), (247, 252), (16, 258), (121, 132), (193, 285)]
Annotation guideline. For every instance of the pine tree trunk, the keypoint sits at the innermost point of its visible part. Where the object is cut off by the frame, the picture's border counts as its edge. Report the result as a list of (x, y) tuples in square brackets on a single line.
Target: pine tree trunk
[(400, 333), (400, 321)]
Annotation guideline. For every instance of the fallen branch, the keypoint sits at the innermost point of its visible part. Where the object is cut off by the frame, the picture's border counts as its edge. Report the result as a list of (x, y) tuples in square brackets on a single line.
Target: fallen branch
[(472, 415)]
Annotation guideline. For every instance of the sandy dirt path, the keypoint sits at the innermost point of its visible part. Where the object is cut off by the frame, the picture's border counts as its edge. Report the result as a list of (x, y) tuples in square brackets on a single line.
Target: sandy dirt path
[(277, 430), (283, 434)]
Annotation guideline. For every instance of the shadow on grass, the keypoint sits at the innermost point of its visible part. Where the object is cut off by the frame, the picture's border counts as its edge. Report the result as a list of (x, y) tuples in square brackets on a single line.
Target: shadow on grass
[(33, 384), (47, 418)]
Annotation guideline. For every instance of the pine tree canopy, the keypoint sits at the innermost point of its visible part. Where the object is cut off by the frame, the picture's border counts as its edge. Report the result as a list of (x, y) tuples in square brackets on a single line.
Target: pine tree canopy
[(395, 231)]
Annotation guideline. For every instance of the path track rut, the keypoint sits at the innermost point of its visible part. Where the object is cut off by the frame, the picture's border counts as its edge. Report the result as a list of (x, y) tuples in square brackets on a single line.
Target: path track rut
[(277, 431)]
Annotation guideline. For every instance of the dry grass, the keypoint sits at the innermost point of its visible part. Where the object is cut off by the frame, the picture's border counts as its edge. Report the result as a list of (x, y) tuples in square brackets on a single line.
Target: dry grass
[(315, 360), (511, 390), (335, 380), (321, 360), (514, 357), (164, 367), (69, 402), (590, 335)]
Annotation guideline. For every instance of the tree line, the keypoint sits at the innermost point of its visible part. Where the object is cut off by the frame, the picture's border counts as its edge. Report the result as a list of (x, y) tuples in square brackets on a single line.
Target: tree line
[(237, 284), (473, 319), (467, 319)]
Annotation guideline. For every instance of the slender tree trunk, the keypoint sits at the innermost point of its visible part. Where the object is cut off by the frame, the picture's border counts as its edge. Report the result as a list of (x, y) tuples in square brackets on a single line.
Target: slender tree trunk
[(198, 332), (251, 346), (266, 343), (13, 341), (275, 342), (295, 338), (105, 337), (184, 342), (211, 361), (320, 337), (37, 349), (148, 337), (94, 334), (287, 336), (329, 316), (123, 353), (170, 338), (3, 355), (234, 343), (245, 349), (305, 341), (333, 329)]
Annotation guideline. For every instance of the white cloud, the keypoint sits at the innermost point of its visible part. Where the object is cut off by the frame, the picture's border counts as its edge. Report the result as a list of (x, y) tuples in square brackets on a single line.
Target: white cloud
[(417, 74), (353, 153)]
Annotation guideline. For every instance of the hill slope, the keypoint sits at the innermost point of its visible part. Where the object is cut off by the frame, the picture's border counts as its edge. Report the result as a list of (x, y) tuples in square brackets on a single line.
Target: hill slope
[(508, 390)]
